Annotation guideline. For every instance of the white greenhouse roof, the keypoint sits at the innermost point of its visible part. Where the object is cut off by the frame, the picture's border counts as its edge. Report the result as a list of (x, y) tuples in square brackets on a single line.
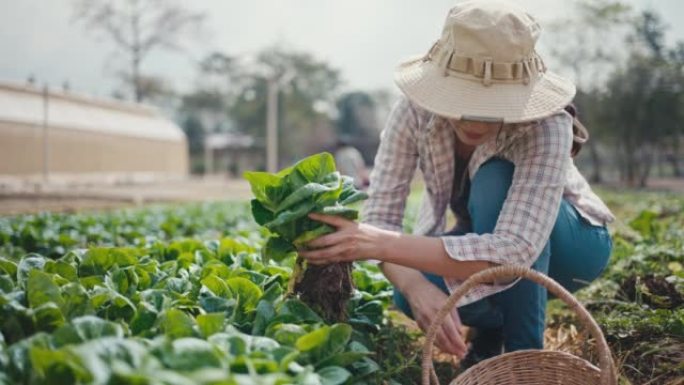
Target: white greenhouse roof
[(228, 140), (25, 104)]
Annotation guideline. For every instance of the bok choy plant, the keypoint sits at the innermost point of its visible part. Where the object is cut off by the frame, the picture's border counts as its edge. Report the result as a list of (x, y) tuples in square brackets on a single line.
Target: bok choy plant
[(282, 203)]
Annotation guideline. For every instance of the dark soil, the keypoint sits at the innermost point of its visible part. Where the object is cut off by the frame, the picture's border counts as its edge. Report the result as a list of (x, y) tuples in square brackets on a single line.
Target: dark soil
[(654, 291), (327, 289)]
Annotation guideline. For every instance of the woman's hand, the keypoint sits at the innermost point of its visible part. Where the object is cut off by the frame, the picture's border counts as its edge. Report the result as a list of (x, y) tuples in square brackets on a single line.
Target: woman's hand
[(426, 300), (351, 242)]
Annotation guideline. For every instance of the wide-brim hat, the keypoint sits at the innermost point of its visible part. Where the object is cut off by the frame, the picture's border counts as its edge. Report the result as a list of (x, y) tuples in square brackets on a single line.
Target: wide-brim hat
[(484, 67)]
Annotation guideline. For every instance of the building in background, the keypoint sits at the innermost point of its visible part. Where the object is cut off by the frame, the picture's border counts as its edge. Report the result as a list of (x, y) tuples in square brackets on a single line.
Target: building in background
[(48, 135), (232, 153)]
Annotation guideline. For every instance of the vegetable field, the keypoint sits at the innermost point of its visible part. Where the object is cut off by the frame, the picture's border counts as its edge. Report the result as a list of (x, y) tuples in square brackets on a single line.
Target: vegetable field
[(182, 295), (639, 300), (168, 296)]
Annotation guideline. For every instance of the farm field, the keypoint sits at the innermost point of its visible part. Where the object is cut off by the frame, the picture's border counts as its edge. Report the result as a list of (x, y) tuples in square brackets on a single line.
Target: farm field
[(180, 294)]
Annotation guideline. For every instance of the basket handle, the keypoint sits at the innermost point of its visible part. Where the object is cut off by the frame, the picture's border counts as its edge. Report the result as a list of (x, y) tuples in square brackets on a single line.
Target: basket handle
[(509, 272)]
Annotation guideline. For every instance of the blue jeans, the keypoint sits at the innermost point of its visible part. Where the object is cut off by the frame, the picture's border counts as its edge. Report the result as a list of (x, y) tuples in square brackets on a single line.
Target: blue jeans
[(576, 254)]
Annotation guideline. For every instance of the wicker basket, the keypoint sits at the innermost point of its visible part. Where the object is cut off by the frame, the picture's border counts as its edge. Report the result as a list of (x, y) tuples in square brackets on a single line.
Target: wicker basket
[(526, 367)]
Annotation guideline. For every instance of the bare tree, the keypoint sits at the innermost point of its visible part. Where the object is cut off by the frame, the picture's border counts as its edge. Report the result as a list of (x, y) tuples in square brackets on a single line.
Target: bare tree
[(221, 72), (138, 27)]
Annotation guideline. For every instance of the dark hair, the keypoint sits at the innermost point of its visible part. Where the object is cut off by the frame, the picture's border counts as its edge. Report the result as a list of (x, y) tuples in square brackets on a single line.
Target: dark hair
[(579, 131)]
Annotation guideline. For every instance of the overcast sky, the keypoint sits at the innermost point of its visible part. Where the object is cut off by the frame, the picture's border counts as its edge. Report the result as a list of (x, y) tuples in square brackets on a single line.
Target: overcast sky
[(365, 39)]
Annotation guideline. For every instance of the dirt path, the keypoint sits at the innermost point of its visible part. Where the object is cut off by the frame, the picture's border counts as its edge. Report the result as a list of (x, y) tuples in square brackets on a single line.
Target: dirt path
[(31, 198), (72, 198), (666, 184)]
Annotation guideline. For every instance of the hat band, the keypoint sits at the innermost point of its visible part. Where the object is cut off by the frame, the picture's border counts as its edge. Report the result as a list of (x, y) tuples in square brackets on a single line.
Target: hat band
[(486, 69)]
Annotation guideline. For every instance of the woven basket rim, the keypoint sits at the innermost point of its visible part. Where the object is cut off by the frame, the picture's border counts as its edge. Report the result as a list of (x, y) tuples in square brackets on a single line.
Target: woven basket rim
[(513, 356), (588, 372)]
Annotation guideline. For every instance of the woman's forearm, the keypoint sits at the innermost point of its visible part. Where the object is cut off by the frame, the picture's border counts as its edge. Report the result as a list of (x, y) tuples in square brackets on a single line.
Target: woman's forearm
[(403, 278), (353, 241), (426, 254)]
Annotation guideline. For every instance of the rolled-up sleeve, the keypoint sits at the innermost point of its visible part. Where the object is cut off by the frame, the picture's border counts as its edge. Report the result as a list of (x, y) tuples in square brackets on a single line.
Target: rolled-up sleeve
[(541, 158), (395, 165)]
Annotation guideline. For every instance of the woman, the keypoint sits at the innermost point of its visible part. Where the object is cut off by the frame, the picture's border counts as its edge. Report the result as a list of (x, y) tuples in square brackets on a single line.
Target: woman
[(486, 124)]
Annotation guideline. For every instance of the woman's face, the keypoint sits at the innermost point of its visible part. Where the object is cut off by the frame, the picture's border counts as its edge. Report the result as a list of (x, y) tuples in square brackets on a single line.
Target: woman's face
[(474, 133)]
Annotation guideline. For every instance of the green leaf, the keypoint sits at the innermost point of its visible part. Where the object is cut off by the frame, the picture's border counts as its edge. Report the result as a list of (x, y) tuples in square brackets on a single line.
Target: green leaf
[(217, 286), (247, 293), (233, 343), (309, 236), (144, 319), (326, 344), (111, 305), (144, 278), (86, 328), (261, 214), (124, 281), (342, 359), (313, 339), (176, 324), (277, 249), (63, 269), (265, 312), (285, 217), (28, 264), (310, 192), (213, 304), (267, 188), (331, 196), (48, 317), (59, 366), (644, 223), (42, 289), (340, 211), (96, 261), (273, 292), (6, 284), (349, 193), (124, 256), (20, 366), (104, 356), (286, 333), (210, 323), (339, 337), (9, 267), (232, 247), (286, 355), (315, 167), (92, 281), (370, 313), (365, 367), (186, 354), (333, 375), (300, 311), (216, 268)]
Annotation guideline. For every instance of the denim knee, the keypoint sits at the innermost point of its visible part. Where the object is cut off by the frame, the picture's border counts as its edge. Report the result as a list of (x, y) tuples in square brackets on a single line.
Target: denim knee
[(401, 303), (488, 191)]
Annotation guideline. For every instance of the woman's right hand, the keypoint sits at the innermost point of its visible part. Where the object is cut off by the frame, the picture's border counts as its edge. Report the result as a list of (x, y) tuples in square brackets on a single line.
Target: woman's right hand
[(425, 300)]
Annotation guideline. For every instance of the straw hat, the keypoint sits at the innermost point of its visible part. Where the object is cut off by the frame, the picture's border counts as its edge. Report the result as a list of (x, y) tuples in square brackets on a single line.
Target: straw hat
[(484, 67)]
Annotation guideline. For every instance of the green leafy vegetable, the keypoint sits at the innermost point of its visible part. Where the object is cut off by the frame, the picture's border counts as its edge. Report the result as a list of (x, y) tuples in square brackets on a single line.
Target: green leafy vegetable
[(283, 201)]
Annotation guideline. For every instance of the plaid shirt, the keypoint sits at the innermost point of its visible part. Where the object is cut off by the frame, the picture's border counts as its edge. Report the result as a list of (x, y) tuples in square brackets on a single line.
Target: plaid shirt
[(544, 174)]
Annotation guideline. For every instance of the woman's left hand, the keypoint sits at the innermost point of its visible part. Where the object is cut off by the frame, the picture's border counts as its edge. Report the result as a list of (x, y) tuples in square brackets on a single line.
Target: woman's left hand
[(351, 242)]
